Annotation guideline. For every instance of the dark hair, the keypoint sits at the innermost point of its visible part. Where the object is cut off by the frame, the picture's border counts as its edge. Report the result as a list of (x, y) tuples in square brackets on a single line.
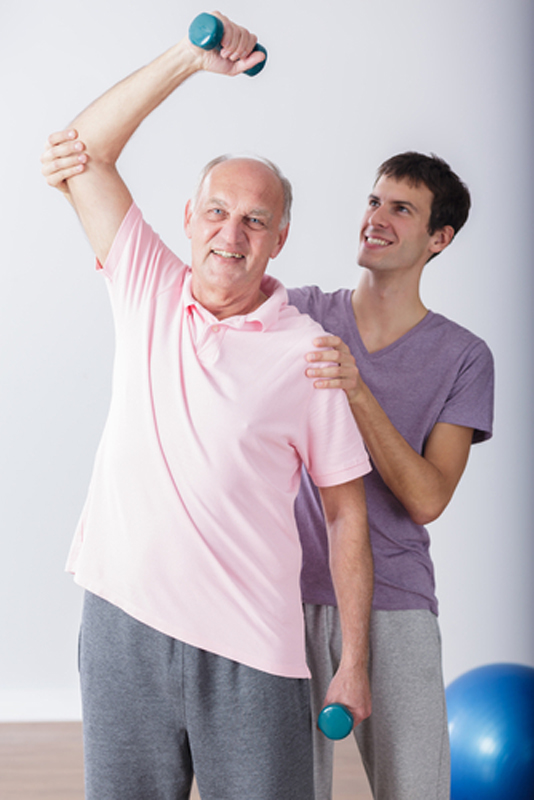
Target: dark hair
[(451, 201)]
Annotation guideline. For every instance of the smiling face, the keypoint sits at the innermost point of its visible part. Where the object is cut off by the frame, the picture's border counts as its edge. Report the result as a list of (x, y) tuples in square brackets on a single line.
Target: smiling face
[(234, 228), (394, 232)]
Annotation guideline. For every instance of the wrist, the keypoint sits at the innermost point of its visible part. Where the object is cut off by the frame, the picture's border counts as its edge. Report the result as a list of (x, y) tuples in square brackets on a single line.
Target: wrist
[(357, 397), (187, 58), (354, 661)]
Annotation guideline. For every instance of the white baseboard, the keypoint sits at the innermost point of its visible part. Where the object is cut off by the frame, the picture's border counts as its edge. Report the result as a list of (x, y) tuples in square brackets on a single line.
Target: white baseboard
[(47, 705)]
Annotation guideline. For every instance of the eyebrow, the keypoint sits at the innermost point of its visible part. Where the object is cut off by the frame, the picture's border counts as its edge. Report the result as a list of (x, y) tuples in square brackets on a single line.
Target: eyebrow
[(395, 202), (254, 212)]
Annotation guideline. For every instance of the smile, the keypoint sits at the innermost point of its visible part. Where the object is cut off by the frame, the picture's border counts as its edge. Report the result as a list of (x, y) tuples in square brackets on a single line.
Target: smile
[(225, 254), (377, 242)]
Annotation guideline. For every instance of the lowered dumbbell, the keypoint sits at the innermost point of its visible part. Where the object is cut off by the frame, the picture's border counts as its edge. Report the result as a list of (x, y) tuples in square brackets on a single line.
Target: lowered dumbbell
[(335, 721)]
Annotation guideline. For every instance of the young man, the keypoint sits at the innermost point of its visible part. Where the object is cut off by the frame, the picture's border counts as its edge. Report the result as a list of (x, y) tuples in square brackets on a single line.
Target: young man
[(192, 654), (421, 391)]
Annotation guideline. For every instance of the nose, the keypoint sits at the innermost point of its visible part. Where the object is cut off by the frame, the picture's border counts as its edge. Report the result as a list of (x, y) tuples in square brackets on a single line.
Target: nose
[(377, 217), (232, 230)]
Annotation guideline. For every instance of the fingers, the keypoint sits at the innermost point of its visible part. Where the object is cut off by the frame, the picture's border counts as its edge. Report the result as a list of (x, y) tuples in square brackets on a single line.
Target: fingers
[(237, 42), (57, 170), (334, 383), (330, 355), (236, 53), (334, 369), (61, 144), (355, 695), (333, 373), (63, 157), (62, 136), (333, 342), (360, 713), (255, 58), (332, 364)]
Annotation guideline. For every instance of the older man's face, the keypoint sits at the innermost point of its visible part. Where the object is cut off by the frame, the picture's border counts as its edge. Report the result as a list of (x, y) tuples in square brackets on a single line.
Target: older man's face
[(234, 227)]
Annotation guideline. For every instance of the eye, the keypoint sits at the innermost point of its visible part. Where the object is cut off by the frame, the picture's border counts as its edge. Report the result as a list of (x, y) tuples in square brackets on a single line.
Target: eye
[(255, 222), (373, 203), (214, 213)]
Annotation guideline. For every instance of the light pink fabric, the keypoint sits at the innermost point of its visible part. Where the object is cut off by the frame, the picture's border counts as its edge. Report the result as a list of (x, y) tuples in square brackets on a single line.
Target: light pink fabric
[(188, 525)]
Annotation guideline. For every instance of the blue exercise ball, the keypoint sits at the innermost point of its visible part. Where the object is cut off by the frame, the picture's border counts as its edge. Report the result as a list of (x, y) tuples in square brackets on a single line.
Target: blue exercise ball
[(491, 730)]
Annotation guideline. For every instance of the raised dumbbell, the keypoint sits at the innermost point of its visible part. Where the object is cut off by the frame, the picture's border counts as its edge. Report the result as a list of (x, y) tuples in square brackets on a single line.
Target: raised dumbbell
[(206, 31)]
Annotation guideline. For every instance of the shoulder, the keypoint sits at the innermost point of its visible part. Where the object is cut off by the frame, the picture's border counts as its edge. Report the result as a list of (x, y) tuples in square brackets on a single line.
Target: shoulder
[(333, 310), (298, 324), (138, 251), (468, 362), (455, 337), (312, 298)]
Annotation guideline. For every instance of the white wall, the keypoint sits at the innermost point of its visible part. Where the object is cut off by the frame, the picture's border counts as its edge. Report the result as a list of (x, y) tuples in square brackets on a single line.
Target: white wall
[(347, 85)]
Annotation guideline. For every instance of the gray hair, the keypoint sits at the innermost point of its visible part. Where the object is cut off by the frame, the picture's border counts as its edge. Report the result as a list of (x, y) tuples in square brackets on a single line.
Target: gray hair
[(286, 185)]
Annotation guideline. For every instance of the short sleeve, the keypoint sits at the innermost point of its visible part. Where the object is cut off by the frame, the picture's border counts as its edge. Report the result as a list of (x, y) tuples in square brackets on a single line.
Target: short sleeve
[(471, 399), (334, 451), (139, 265)]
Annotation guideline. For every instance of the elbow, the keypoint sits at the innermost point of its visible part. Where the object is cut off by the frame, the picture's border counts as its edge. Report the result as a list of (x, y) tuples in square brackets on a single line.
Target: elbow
[(420, 517), (99, 145), (426, 511)]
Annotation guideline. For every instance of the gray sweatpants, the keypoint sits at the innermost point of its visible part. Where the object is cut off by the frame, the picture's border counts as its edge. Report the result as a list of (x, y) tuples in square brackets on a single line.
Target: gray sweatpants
[(156, 711), (405, 743)]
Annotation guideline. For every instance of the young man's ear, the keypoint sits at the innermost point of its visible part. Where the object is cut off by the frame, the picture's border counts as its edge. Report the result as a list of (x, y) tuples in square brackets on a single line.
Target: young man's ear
[(441, 238)]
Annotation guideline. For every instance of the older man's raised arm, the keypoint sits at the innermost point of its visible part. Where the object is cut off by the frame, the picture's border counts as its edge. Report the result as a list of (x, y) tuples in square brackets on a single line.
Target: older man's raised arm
[(82, 160)]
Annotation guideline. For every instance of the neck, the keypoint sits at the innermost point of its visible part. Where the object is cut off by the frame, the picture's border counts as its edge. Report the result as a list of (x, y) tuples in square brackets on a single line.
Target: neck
[(223, 305), (385, 308)]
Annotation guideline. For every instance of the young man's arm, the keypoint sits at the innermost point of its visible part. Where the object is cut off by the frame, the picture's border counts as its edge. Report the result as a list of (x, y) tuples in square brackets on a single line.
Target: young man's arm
[(424, 484), (93, 184), (351, 566)]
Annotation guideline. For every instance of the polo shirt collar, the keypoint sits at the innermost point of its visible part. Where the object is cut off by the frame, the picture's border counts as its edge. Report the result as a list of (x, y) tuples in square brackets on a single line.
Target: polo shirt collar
[(262, 317)]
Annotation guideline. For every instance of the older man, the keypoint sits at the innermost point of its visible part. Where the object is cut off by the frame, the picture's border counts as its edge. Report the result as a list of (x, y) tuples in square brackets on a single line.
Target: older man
[(192, 642)]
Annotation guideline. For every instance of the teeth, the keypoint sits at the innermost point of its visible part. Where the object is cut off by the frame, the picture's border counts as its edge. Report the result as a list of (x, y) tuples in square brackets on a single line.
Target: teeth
[(374, 240), (224, 254)]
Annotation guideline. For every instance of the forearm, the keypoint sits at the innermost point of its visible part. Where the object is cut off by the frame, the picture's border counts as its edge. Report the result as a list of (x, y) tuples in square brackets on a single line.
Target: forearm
[(422, 486), (107, 124), (423, 482), (82, 161), (99, 195), (351, 567)]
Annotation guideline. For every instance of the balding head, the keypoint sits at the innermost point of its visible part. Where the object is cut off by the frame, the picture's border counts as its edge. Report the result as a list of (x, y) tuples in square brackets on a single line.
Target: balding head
[(287, 191)]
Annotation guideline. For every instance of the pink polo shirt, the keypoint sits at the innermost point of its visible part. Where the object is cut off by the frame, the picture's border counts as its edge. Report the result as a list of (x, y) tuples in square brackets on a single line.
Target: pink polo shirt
[(188, 525)]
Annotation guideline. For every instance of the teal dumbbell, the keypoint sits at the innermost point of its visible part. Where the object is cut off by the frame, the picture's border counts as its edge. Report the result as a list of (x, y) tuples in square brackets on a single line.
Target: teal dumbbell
[(206, 31), (335, 721)]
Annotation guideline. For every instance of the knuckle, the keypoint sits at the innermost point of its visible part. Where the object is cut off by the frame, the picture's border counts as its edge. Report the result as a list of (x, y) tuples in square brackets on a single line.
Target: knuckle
[(56, 137)]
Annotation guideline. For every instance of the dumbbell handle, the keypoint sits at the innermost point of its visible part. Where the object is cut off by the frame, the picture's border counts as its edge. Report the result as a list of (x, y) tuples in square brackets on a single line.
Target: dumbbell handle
[(335, 721), (206, 31)]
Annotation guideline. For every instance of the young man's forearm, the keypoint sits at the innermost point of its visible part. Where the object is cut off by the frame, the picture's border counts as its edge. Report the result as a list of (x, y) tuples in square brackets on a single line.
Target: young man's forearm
[(424, 484)]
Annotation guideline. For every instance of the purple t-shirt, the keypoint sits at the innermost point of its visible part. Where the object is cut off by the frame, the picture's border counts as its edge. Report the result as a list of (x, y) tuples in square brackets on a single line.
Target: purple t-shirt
[(437, 372)]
